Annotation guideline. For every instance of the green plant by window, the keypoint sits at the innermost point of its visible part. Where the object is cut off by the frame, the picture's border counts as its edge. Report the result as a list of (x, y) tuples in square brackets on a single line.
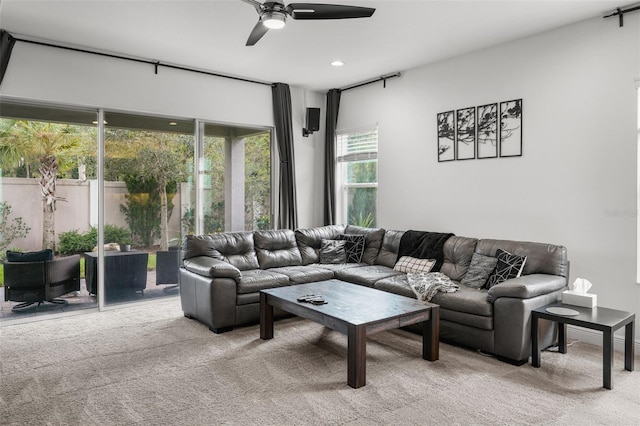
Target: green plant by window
[(10, 229)]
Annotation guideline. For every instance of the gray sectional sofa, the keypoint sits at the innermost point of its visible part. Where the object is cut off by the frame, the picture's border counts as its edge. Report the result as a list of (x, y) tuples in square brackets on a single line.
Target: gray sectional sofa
[(222, 275)]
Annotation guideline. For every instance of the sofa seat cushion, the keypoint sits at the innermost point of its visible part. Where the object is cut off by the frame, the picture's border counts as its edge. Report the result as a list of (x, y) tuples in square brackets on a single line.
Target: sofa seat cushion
[(398, 284), (366, 275), (258, 279), (464, 300), (467, 300), (304, 274), (335, 266)]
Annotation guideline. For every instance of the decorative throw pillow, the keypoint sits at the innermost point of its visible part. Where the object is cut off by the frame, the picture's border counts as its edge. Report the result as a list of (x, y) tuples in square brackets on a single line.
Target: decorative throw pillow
[(479, 270), (426, 284), (508, 266), (354, 246), (32, 256), (412, 264), (333, 251)]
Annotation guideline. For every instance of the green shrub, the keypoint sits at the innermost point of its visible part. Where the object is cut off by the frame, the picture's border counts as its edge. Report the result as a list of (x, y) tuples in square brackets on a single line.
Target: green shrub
[(116, 234), (10, 229), (72, 242)]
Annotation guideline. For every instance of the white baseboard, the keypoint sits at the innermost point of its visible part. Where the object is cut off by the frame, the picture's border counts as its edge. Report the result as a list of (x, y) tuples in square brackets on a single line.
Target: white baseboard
[(594, 337)]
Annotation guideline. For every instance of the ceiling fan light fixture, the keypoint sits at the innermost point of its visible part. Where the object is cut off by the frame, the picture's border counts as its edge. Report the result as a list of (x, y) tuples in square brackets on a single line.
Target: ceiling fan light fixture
[(274, 20)]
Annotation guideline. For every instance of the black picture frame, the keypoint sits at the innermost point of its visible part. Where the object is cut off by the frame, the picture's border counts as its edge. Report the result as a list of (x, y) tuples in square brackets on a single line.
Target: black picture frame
[(446, 136), (487, 131), (511, 128), (466, 133)]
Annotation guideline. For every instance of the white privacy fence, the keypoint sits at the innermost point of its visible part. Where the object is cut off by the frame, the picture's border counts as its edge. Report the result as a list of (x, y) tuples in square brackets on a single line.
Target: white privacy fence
[(79, 211)]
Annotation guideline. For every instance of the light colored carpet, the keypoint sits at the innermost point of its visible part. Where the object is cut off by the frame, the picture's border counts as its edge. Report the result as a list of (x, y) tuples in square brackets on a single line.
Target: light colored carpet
[(147, 364)]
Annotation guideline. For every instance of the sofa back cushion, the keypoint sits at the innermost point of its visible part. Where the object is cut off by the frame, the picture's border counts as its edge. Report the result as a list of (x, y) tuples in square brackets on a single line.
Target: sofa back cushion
[(388, 255), (277, 248), (458, 252), (542, 258), (309, 241), (236, 248), (373, 241)]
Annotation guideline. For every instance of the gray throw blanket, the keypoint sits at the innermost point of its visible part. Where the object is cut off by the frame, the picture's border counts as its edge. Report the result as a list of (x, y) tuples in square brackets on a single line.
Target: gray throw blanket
[(426, 284)]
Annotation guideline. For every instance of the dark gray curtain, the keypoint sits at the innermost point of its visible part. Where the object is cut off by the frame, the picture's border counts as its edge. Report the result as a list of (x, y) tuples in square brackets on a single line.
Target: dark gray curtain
[(333, 105), (288, 212), (6, 45)]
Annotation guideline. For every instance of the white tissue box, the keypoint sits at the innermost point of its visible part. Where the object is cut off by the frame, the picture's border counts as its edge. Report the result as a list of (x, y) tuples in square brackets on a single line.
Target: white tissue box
[(586, 300)]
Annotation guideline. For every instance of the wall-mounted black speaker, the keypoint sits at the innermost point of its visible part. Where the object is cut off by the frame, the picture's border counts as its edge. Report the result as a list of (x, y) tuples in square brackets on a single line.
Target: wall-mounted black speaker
[(313, 121)]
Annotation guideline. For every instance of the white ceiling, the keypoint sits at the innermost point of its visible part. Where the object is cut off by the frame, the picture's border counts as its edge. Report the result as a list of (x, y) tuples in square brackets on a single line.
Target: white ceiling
[(211, 34)]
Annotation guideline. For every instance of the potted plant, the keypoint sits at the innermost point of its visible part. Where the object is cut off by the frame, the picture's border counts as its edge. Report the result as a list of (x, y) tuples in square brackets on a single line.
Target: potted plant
[(125, 244)]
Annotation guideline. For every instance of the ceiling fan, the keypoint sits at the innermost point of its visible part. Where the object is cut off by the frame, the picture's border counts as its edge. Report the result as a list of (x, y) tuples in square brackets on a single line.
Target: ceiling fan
[(273, 14)]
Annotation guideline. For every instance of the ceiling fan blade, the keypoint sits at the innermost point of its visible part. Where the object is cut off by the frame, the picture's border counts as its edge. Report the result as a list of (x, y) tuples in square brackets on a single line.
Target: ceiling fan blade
[(327, 11), (256, 4), (256, 34)]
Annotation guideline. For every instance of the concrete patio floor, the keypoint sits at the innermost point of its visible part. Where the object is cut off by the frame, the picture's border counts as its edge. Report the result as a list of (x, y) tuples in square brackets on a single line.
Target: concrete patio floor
[(83, 300)]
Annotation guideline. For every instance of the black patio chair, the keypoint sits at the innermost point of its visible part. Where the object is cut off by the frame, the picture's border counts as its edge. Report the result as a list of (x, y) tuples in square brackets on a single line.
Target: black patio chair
[(40, 281)]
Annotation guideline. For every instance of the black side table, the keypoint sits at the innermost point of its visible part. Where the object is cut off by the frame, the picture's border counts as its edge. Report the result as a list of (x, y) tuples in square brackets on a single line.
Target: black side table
[(602, 319)]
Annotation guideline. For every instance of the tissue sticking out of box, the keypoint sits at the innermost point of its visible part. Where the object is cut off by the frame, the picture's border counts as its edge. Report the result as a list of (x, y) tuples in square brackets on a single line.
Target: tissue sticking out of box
[(580, 285), (578, 296)]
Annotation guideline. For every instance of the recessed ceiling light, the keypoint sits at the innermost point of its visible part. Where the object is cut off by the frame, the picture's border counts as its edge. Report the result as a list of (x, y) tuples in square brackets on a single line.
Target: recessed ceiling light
[(337, 63), (96, 122), (173, 123)]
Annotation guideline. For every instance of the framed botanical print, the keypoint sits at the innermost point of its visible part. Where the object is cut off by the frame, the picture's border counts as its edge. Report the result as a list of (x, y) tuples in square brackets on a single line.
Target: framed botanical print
[(466, 134), (487, 134), (446, 136), (511, 128)]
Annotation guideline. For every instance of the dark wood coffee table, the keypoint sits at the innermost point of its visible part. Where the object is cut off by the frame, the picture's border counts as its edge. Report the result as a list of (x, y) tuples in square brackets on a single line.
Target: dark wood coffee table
[(356, 311)]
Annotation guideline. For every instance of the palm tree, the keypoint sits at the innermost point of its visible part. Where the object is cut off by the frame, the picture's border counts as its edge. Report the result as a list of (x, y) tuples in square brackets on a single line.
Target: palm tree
[(23, 142)]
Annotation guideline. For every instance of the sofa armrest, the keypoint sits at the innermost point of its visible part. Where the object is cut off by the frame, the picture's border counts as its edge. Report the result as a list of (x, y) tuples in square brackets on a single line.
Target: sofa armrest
[(527, 286), (210, 267)]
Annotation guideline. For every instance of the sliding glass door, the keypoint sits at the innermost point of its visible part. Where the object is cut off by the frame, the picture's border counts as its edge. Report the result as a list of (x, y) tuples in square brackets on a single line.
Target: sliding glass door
[(147, 197), (48, 158), (68, 180)]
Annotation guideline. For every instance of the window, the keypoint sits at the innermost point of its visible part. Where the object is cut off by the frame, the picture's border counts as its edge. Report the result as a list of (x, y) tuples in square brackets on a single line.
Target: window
[(357, 168), (235, 178)]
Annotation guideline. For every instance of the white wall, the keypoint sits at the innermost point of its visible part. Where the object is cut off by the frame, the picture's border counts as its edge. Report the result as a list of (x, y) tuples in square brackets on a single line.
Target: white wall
[(77, 79), (576, 182), (62, 76), (309, 155)]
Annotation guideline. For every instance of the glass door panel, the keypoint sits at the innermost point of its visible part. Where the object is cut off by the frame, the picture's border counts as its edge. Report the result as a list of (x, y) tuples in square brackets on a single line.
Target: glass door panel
[(47, 163), (235, 178), (148, 187)]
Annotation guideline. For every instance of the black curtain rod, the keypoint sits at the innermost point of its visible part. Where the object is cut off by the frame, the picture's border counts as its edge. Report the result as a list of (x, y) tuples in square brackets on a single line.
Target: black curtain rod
[(620, 13), (383, 78), (156, 64)]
